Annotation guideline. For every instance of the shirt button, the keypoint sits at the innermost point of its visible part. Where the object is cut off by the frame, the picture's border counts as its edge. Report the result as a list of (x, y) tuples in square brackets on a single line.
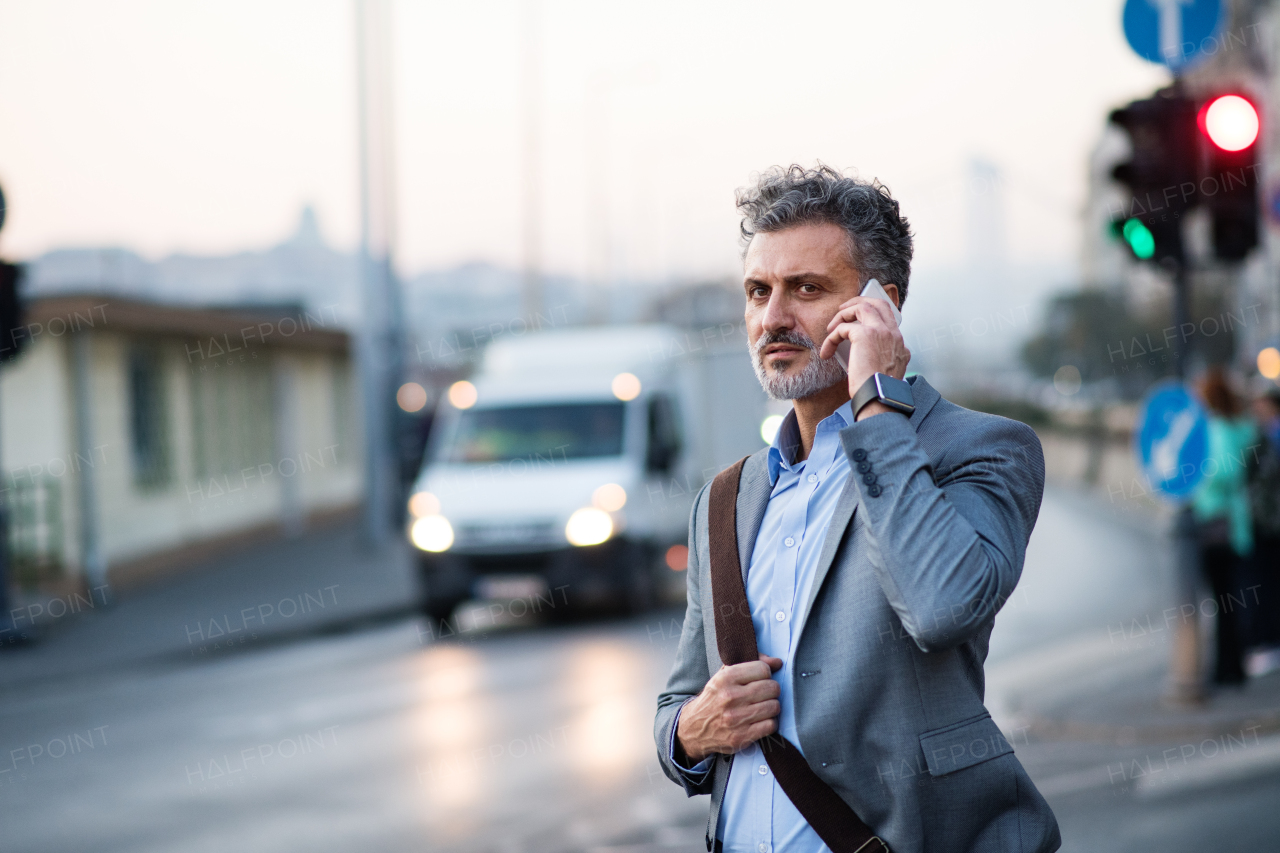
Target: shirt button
[(788, 541), (813, 478), (780, 616), (764, 770), (763, 848)]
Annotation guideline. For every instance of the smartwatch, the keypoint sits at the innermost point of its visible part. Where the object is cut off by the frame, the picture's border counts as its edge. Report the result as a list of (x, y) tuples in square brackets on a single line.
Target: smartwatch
[(883, 388)]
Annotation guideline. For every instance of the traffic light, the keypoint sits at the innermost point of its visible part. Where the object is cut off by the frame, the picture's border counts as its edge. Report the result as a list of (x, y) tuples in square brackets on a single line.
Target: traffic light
[(1160, 176), (1229, 175)]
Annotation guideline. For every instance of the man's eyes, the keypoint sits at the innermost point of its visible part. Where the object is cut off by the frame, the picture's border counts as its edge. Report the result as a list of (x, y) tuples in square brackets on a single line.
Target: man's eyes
[(761, 292)]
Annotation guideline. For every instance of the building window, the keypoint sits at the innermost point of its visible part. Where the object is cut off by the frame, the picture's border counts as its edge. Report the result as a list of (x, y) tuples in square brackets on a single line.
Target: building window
[(148, 416), (35, 527), (233, 419)]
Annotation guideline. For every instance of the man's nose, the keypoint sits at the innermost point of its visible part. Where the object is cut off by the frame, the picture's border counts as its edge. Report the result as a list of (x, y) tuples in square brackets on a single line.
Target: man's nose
[(777, 313)]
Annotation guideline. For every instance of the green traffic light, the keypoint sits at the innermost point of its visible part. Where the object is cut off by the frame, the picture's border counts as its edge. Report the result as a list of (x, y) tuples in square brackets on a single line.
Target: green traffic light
[(1139, 238)]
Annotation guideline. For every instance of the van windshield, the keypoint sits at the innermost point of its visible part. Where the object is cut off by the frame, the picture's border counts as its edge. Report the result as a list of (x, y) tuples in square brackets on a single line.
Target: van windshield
[(555, 432)]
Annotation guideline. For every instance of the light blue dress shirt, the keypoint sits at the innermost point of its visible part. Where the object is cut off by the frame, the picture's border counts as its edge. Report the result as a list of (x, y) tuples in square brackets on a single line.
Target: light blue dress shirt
[(757, 816)]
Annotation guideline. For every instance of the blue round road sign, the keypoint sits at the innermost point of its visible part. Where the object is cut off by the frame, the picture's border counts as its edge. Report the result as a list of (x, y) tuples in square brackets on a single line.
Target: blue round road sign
[(1175, 33), (1172, 439)]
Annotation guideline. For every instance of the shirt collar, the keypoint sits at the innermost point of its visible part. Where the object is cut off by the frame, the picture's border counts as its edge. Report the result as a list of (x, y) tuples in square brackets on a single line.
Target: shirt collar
[(786, 443)]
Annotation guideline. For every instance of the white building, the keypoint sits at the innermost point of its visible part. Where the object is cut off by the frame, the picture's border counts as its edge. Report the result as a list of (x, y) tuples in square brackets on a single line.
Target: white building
[(135, 435)]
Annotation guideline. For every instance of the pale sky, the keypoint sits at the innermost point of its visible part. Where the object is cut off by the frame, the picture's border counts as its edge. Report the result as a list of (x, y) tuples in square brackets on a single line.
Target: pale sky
[(204, 126)]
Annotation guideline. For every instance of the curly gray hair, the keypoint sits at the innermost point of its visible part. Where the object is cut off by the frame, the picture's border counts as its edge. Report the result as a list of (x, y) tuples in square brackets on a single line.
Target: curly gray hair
[(879, 236)]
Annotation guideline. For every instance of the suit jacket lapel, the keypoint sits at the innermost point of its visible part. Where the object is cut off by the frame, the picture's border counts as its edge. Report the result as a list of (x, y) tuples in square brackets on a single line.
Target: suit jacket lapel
[(840, 516), (753, 498), (925, 397)]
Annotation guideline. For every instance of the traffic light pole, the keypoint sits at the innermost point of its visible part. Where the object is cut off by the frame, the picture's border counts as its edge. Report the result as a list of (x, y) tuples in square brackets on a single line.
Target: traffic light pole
[(1185, 685), (1188, 153)]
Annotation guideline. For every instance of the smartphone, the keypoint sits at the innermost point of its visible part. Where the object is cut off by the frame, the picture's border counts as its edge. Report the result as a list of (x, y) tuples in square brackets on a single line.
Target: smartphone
[(875, 291)]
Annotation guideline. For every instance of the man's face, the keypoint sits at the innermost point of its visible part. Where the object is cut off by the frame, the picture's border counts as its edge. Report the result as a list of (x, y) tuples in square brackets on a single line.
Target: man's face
[(795, 280)]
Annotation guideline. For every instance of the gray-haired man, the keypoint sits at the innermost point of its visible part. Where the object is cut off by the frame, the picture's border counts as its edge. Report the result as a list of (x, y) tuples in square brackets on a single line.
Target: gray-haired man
[(875, 546)]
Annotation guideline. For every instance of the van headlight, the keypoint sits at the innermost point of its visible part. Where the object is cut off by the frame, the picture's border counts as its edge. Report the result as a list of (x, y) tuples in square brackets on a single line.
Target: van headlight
[(424, 504), (588, 526), (610, 497), (432, 533)]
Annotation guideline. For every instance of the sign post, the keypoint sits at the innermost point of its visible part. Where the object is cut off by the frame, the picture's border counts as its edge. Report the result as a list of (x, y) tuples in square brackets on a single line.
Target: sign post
[(1177, 34), (1172, 444)]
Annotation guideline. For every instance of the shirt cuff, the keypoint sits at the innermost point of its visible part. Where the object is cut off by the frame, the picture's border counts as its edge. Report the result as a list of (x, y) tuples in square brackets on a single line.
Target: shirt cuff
[(698, 770)]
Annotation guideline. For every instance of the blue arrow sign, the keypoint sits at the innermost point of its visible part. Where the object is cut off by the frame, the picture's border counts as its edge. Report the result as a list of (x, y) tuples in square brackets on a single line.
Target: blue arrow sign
[(1172, 439), (1175, 33)]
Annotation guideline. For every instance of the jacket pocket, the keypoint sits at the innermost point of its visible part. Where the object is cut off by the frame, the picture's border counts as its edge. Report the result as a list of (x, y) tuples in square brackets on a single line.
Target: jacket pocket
[(963, 744)]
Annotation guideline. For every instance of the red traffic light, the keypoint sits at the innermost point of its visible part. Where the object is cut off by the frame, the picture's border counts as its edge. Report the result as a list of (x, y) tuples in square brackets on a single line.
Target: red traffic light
[(1230, 122)]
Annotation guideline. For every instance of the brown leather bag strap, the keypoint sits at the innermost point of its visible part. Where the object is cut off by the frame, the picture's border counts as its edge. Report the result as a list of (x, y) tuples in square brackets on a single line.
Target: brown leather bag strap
[(831, 817)]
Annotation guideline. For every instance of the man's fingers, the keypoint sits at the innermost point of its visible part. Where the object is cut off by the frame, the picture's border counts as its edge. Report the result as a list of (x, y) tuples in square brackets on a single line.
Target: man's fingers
[(766, 710), (740, 716), (841, 332), (761, 691), (764, 728), (881, 310), (860, 309), (775, 664), (745, 673)]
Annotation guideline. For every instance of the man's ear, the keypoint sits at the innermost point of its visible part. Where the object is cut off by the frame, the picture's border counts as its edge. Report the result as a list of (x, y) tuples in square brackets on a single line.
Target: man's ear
[(891, 290)]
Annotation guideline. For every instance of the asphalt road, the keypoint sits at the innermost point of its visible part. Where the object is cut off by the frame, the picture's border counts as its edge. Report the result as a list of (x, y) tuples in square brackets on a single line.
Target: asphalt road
[(534, 738)]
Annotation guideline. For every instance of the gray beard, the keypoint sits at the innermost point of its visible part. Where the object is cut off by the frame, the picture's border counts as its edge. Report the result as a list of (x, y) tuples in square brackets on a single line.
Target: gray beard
[(818, 374)]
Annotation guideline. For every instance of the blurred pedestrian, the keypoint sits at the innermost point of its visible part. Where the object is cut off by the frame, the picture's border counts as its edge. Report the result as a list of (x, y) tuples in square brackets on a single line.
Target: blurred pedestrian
[(1224, 521), (1262, 627)]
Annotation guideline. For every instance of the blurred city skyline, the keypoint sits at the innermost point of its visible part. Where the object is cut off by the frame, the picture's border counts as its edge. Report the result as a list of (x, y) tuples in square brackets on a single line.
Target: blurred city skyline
[(204, 129)]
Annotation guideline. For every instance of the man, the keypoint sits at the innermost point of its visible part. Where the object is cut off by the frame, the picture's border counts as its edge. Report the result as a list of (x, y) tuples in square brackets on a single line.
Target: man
[(875, 548)]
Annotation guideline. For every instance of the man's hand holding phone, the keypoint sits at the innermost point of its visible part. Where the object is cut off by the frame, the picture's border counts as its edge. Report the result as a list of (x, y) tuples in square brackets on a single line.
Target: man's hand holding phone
[(875, 344)]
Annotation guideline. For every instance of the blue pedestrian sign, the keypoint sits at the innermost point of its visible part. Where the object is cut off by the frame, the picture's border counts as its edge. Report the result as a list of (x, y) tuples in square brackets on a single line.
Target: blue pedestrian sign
[(1174, 33), (1172, 439)]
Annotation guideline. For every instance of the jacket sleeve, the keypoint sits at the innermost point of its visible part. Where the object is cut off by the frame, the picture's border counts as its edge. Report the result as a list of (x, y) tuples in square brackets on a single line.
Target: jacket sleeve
[(950, 542), (689, 674)]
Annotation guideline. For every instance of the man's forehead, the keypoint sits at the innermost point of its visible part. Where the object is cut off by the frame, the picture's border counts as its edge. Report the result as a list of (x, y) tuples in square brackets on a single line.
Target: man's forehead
[(820, 247)]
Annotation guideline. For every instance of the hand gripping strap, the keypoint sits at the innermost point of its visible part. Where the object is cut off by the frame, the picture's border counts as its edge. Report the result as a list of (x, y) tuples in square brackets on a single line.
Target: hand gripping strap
[(831, 817)]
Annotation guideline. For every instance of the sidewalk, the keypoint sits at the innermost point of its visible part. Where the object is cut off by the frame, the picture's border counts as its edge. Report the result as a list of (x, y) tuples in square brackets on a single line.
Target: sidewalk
[(1080, 651), (323, 580), (1089, 689)]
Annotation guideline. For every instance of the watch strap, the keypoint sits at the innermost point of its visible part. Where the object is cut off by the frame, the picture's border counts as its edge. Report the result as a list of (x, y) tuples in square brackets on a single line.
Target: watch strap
[(870, 393)]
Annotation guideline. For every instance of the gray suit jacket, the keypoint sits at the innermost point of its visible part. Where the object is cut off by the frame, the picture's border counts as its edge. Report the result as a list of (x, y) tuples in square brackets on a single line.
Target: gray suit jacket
[(891, 642)]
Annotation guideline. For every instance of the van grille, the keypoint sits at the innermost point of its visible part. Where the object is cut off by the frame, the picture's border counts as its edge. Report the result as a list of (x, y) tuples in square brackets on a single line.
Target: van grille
[(539, 534)]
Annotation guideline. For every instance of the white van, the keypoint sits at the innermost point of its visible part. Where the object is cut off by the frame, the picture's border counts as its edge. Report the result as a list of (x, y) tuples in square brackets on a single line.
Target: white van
[(564, 472)]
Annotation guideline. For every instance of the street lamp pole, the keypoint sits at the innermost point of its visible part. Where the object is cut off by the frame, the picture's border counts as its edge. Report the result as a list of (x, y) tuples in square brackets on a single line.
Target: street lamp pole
[(378, 353), (533, 296)]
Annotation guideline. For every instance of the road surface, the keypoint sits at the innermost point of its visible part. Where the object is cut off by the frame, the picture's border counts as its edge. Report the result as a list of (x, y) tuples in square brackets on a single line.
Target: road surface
[(533, 738)]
